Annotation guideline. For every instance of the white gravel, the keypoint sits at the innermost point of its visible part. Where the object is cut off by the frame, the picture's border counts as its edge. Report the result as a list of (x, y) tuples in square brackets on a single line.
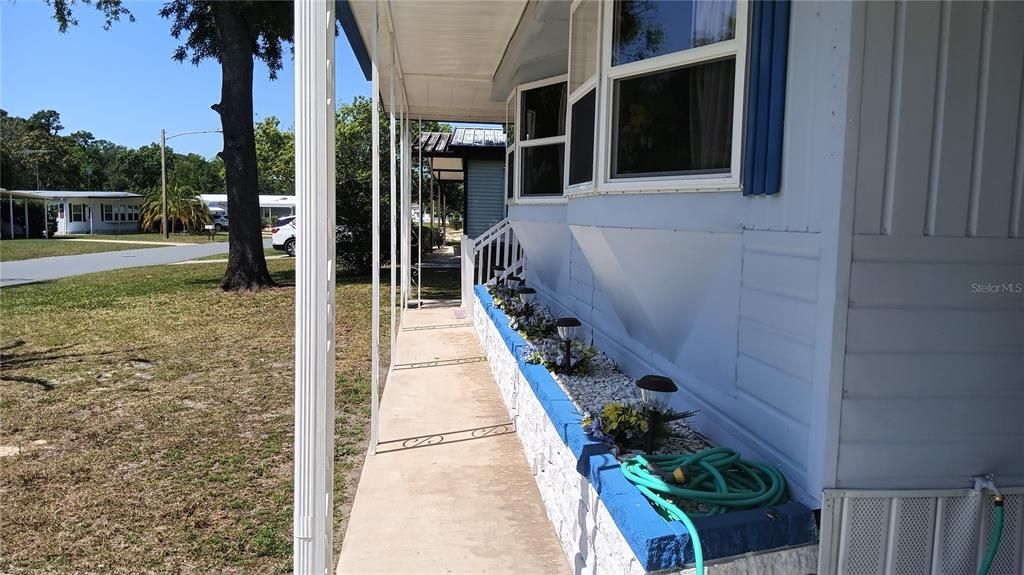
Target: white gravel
[(603, 383)]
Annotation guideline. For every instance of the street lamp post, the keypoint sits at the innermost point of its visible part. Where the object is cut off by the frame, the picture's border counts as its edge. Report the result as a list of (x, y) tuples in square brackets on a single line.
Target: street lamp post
[(163, 172)]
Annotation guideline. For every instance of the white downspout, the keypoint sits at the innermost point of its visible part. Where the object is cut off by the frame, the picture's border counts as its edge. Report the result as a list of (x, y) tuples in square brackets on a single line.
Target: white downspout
[(313, 509)]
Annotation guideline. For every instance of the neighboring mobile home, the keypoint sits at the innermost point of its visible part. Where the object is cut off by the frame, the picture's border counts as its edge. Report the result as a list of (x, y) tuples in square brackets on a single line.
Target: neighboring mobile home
[(270, 206), (807, 214), (474, 157), (78, 212)]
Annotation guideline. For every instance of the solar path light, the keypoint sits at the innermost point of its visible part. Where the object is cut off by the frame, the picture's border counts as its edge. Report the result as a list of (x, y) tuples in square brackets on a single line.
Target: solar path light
[(568, 327)]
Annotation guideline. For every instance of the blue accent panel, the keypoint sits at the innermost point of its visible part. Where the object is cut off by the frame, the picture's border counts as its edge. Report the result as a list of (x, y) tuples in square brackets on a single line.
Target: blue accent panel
[(347, 19), (766, 97), (658, 544), (777, 101), (781, 526), (753, 84)]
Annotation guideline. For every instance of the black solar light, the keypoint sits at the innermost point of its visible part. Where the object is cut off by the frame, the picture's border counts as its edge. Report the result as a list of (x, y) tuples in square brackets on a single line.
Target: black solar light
[(655, 391), (498, 271), (568, 327), (514, 282), (526, 294)]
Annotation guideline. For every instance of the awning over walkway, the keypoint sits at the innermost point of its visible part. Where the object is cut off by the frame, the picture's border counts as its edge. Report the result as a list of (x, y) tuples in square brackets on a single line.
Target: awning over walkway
[(445, 151), (457, 60)]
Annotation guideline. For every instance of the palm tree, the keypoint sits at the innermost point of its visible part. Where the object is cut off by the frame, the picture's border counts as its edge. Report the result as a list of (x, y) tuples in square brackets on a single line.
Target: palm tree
[(183, 206)]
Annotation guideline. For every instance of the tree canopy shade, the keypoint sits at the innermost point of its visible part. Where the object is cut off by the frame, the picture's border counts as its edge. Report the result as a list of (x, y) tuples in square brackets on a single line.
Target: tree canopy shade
[(233, 33)]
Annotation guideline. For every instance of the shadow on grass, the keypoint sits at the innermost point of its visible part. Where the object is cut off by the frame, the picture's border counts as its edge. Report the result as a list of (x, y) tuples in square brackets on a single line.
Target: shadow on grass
[(14, 356), (282, 279)]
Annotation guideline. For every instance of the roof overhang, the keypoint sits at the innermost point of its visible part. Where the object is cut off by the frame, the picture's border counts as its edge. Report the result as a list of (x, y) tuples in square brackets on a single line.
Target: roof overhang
[(456, 60), (54, 195)]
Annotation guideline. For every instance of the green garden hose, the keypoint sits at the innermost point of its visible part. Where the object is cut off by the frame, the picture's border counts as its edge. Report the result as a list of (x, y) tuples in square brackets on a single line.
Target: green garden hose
[(997, 534), (717, 479)]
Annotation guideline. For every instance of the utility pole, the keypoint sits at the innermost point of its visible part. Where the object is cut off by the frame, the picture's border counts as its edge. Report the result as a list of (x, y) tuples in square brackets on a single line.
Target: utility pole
[(163, 171), (163, 183)]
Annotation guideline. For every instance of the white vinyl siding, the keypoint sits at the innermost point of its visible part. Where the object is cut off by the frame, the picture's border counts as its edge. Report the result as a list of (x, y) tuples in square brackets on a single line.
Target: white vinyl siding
[(932, 385)]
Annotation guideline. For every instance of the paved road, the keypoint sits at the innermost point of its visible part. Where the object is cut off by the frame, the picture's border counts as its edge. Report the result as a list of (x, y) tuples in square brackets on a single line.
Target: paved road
[(43, 269)]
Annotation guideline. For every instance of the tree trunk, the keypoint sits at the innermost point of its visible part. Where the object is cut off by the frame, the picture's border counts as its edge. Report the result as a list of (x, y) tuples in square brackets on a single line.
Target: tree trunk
[(247, 268)]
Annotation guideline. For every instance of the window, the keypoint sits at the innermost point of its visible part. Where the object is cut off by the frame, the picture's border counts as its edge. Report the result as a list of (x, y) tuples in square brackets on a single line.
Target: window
[(541, 138), (675, 94), (510, 170), (583, 50), (542, 169), (510, 145), (543, 112), (675, 122), (107, 212), (581, 151), (649, 28), (77, 212)]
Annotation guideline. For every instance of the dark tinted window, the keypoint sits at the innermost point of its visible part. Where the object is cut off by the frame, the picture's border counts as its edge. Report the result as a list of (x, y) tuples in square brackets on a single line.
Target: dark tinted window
[(510, 177), (581, 152), (542, 170), (675, 122), (648, 28), (543, 112)]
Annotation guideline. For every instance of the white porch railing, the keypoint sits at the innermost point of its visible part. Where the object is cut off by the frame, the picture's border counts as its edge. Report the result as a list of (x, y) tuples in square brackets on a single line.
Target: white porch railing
[(497, 246)]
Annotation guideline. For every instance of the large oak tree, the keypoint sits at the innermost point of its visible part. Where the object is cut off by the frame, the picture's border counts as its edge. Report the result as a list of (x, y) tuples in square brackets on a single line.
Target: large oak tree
[(235, 34)]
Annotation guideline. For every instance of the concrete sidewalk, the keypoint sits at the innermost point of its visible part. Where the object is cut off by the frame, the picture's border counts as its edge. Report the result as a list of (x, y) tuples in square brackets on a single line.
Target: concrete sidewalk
[(449, 490), (44, 269)]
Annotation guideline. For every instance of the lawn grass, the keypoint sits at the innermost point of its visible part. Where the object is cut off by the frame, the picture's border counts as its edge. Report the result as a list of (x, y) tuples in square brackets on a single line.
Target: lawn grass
[(175, 238), (27, 249), (154, 415)]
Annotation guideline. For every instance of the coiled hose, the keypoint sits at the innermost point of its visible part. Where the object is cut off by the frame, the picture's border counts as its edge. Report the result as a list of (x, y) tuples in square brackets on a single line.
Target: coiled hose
[(997, 534), (718, 479)]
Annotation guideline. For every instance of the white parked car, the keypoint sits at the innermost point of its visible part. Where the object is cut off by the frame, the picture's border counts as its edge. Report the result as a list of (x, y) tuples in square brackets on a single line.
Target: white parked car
[(284, 235)]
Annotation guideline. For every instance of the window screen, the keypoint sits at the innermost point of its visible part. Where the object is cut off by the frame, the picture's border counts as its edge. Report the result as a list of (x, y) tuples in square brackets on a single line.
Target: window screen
[(581, 144), (674, 122)]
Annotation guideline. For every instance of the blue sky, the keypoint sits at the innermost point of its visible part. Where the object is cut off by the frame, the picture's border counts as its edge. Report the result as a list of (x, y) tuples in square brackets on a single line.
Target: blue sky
[(122, 84)]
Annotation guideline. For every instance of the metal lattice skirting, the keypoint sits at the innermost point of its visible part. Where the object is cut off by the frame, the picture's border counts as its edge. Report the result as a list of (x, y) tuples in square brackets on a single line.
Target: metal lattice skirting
[(917, 532)]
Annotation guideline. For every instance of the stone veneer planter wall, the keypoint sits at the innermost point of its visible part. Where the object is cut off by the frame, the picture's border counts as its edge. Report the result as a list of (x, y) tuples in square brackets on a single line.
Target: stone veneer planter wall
[(602, 521)]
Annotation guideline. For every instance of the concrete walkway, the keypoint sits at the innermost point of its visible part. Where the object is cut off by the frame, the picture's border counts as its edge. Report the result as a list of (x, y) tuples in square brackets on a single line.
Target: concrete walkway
[(139, 242), (449, 490), (45, 269)]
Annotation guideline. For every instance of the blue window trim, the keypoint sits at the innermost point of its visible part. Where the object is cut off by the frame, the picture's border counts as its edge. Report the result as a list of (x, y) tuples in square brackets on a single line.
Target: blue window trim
[(766, 97)]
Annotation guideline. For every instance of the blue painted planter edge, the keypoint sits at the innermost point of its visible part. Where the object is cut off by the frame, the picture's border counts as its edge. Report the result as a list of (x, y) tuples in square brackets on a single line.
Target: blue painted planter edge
[(657, 543)]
